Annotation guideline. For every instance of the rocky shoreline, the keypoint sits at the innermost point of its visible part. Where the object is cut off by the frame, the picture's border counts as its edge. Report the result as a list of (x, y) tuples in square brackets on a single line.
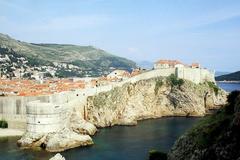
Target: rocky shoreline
[(229, 81), (214, 137), (125, 105), (58, 156), (57, 141)]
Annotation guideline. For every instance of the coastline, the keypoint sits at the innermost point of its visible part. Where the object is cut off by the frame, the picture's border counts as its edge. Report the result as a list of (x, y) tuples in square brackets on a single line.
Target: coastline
[(10, 132), (228, 81)]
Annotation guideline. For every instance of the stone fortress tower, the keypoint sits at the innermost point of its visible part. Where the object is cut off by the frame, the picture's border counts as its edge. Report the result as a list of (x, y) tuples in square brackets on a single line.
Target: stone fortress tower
[(45, 117)]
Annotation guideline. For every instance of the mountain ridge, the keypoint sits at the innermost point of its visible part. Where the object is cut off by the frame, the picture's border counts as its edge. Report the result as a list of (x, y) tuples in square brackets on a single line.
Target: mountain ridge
[(235, 76), (87, 58)]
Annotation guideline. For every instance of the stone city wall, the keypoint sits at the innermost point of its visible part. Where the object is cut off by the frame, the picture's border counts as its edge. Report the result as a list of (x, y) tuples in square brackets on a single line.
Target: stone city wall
[(13, 109), (196, 75)]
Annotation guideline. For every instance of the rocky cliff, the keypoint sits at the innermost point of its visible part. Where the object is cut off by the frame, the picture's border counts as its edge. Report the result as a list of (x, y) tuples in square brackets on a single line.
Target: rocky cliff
[(125, 105), (215, 137), (152, 98)]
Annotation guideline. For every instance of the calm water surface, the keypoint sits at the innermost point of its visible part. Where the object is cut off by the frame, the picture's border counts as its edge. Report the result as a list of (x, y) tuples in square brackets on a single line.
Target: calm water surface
[(116, 143), (229, 86)]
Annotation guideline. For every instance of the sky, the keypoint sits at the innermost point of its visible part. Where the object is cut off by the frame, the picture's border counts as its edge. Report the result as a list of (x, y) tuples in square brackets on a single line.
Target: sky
[(204, 31)]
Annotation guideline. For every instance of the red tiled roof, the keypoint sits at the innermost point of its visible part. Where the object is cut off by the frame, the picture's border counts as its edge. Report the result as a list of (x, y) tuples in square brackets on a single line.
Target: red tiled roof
[(169, 62), (195, 65)]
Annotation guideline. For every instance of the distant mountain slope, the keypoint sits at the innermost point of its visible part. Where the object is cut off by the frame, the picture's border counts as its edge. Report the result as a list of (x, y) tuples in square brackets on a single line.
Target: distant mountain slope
[(89, 59), (145, 64), (220, 73), (229, 77)]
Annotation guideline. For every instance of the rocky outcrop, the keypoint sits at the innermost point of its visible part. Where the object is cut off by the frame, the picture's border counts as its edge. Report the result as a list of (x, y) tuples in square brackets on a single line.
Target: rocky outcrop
[(58, 156), (215, 137), (79, 125), (125, 105), (55, 142), (152, 98), (74, 133)]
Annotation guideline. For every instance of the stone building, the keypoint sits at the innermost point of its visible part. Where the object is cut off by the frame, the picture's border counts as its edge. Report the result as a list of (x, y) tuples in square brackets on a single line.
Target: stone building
[(192, 72), (118, 75), (161, 64)]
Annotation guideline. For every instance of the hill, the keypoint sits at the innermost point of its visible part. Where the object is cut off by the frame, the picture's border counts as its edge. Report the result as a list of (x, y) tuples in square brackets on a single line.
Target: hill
[(145, 64), (89, 60), (229, 77), (220, 73)]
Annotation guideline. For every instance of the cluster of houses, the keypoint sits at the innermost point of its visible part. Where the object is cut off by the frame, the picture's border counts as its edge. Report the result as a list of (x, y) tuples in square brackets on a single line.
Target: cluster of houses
[(41, 86), (27, 87)]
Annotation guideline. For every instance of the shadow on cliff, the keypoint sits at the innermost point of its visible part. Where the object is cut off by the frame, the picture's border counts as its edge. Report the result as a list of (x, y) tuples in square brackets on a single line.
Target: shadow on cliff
[(215, 137)]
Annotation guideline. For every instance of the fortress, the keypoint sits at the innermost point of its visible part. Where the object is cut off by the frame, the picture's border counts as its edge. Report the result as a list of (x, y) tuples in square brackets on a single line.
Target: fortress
[(42, 114)]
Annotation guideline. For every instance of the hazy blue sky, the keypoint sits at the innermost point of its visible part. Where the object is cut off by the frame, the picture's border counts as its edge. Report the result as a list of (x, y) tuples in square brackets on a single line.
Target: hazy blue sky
[(207, 31)]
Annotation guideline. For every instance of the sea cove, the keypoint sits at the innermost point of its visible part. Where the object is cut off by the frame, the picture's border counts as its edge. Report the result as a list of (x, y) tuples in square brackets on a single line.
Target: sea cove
[(118, 143)]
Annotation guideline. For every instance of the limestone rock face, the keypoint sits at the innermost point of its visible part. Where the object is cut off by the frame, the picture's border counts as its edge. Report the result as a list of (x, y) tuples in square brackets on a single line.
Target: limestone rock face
[(66, 139), (55, 142), (215, 137), (79, 125), (58, 156), (146, 99), (84, 127), (30, 140)]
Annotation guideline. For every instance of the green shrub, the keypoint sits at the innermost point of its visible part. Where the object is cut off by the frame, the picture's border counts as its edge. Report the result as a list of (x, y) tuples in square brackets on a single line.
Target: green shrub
[(209, 129), (214, 87), (3, 124), (174, 81), (158, 85), (231, 99), (156, 155)]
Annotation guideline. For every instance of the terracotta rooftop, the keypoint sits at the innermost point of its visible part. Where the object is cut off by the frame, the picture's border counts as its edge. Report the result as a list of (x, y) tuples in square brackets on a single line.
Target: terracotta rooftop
[(195, 65), (170, 62)]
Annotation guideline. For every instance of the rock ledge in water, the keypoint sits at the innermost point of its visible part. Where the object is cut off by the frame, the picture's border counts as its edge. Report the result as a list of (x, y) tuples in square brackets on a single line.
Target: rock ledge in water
[(58, 156), (55, 142)]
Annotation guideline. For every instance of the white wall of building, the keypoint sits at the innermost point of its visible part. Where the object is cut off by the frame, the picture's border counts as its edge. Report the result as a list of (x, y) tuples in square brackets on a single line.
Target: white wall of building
[(196, 75)]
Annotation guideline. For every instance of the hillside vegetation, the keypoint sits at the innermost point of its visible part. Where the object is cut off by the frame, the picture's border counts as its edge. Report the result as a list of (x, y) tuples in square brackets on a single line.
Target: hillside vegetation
[(215, 137), (90, 60), (229, 77)]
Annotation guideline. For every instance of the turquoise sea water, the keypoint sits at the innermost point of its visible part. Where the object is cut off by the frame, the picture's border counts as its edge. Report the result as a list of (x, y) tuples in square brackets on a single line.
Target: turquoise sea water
[(116, 143)]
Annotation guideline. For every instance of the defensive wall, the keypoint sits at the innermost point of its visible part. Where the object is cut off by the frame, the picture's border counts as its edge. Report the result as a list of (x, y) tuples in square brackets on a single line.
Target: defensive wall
[(45, 117), (46, 113), (196, 75), (13, 109)]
